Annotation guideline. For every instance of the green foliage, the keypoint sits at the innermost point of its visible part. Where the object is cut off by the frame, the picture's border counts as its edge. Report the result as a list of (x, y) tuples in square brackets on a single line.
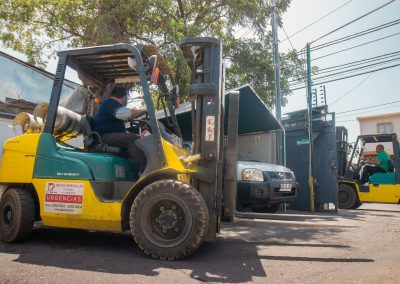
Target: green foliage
[(39, 27)]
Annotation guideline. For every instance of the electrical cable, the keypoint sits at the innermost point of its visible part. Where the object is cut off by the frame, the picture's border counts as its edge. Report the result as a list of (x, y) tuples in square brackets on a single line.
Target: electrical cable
[(346, 77), (367, 111), (357, 69), (316, 21), (358, 34), (358, 62), (349, 48), (352, 90), (345, 67), (368, 107), (353, 21)]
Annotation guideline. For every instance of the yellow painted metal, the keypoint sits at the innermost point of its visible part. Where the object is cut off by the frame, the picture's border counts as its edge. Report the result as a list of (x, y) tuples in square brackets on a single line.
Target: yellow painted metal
[(382, 193), (172, 154), (18, 161), (95, 215), (311, 186), (18, 166)]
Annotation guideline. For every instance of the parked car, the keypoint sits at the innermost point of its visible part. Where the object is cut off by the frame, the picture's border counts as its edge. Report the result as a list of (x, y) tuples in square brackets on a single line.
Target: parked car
[(263, 187)]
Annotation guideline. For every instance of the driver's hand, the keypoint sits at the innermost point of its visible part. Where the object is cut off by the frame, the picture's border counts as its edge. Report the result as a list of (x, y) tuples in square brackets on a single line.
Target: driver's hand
[(137, 112)]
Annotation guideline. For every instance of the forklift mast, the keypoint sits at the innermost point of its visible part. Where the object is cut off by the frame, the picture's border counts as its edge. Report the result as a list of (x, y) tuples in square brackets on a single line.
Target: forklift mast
[(204, 56)]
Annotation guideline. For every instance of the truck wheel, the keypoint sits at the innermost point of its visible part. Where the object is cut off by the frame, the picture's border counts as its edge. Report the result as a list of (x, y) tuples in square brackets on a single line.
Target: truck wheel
[(273, 208), (17, 210), (169, 219), (347, 197)]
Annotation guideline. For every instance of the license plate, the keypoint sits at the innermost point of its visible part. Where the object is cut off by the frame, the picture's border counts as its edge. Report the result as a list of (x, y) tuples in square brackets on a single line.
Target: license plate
[(286, 187)]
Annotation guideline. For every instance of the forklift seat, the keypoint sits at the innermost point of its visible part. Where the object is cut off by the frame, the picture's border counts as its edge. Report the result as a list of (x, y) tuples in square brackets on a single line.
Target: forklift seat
[(92, 140), (382, 178)]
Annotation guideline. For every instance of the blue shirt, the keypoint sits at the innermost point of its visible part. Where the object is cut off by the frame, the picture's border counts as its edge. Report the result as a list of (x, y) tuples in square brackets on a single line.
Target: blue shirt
[(105, 121)]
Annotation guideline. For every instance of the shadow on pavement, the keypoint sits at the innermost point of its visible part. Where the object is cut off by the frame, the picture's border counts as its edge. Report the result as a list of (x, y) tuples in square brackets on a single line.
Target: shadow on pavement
[(234, 258)]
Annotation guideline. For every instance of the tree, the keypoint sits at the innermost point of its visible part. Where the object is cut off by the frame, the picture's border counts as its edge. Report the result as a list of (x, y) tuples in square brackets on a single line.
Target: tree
[(39, 27)]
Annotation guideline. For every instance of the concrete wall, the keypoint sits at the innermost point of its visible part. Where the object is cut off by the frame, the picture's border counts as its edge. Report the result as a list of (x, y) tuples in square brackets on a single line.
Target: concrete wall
[(258, 147)]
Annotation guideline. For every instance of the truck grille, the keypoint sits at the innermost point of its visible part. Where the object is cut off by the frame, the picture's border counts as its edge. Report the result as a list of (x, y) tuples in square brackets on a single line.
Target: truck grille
[(278, 175)]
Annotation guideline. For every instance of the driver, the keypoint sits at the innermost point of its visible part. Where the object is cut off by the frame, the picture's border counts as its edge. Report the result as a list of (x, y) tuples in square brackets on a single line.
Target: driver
[(380, 165), (109, 122)]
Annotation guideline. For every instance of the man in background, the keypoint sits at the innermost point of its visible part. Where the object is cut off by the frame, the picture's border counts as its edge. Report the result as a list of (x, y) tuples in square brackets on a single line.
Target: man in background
[(380, 165)]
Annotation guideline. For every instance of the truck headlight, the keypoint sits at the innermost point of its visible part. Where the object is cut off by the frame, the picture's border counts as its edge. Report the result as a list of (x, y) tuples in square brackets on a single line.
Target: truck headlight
[(252, 175)]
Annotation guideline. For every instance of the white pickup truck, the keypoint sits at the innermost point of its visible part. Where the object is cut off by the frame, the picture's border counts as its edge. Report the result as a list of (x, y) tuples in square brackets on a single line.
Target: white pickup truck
[(263, 186)]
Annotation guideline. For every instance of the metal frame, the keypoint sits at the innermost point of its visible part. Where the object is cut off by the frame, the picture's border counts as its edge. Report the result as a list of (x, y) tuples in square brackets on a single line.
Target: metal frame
[(396, 153), (65, 60), (204, 56)]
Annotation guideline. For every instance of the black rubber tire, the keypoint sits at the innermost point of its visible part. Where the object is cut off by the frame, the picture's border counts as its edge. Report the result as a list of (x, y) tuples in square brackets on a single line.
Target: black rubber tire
[(179, 198), (17, 215), (273, 208), (358, 204), (347, 197)]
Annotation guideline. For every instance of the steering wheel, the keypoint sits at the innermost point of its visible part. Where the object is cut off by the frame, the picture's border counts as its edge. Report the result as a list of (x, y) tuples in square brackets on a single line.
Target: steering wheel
[(141, 124)]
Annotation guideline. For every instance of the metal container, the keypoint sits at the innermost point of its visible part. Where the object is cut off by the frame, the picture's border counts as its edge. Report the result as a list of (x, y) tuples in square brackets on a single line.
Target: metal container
[(323, 162)]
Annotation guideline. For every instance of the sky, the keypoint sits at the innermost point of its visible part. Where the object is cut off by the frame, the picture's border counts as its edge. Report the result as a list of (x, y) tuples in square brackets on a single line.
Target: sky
[(358, 92), (365, 90)]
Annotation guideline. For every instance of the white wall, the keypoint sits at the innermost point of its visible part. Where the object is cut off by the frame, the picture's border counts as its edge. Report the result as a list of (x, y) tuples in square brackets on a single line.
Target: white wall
[(370, 126)]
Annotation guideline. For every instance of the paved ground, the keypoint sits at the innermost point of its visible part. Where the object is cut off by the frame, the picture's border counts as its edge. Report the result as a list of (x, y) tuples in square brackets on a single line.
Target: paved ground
[(358, 246)]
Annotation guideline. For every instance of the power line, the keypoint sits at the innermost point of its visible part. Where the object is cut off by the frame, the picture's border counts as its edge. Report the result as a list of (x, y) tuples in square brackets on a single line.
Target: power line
[(362, 61), (358, 34), (344, 71), (368, 111), (288, 38), (352, 90), (316, 21), (378, 60), (353, 21), (357, 68), (368, 107), (349, 48), (346, 77)]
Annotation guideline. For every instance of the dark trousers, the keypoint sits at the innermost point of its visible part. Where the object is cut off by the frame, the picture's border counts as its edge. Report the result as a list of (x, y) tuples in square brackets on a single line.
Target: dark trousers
[(368, 171), (127, 141)]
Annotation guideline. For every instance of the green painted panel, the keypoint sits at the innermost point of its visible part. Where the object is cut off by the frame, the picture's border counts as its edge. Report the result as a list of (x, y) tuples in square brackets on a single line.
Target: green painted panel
[(55, 162), (51, 164), (383, 178), (105, 166)]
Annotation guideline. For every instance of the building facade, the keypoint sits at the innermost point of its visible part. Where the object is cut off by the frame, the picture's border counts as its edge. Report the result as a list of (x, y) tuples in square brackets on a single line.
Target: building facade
[(377, 124)]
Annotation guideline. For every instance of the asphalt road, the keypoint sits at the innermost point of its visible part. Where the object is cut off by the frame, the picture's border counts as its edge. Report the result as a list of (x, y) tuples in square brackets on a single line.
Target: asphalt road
[(357, 246)]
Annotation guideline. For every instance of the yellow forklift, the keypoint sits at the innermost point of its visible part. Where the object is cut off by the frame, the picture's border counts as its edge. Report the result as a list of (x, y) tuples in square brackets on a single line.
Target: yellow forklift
[(381, 188), (174, 204)]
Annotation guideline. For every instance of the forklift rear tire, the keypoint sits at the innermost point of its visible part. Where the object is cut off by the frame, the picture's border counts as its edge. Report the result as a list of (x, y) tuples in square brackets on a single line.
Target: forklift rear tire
[(169, 219), (347, 197), (17, 210)]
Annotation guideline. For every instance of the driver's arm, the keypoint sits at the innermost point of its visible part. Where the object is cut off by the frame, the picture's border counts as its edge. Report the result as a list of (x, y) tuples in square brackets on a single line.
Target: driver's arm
[(125, 113), (137, 112)]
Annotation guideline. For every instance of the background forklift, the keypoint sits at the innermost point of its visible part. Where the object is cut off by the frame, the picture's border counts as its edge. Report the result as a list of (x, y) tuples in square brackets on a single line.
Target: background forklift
[(382, 187), (174, 204)]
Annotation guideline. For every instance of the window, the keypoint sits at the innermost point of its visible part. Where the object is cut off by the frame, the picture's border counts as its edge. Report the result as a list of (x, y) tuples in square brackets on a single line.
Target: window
[(385, 127)]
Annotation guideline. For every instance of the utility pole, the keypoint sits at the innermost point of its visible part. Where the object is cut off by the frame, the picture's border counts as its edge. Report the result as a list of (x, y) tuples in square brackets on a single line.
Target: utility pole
[(280, 136), (310, 135)]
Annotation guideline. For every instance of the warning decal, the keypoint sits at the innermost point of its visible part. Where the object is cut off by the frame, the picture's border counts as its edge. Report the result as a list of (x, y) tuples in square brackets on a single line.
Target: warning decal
[(61, 197), (210, 128)]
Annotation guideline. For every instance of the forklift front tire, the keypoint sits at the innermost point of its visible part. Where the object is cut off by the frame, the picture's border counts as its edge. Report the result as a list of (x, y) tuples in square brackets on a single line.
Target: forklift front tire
[(169, 219), (347, 197), (17, 210)]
